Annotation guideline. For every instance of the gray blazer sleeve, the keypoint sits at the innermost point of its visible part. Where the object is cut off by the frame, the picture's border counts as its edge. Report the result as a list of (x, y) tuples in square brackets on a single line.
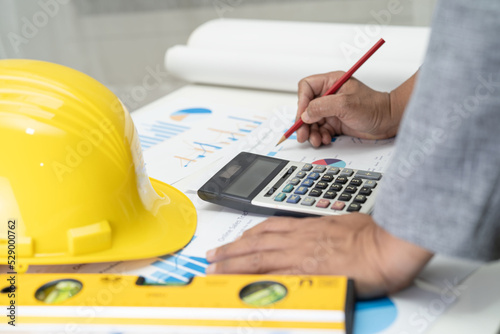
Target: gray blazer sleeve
[(442, 188)]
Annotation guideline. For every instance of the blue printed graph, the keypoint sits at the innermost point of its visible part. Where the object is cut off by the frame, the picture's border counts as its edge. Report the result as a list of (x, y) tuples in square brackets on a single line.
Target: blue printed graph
[(193, 114), (219, 134), (177, 268), (152, 134), (373, 316)]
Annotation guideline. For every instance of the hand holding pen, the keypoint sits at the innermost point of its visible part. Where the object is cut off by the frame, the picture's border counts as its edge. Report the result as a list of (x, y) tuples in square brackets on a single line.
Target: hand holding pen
[(353, 111)]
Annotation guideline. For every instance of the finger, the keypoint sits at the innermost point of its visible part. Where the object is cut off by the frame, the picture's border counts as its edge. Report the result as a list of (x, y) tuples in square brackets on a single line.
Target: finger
[(305, 95), (255, 263), (247, 245), (315, 136), (273, 224), (314, 86), (326, 106), (326, 134), (303, 133)]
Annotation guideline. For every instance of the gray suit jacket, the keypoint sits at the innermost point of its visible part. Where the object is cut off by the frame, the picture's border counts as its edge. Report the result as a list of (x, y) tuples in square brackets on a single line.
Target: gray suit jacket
[(442, 189)]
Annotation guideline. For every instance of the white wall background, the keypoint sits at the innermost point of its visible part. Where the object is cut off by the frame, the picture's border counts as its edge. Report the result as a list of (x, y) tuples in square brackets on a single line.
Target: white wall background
[(119, 41)]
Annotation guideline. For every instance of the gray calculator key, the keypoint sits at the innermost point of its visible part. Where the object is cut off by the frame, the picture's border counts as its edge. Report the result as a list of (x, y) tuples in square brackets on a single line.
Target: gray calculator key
[(309, 201), (333, 170), (370, 184), (295, 181), (346, 172), (301, 174), (307, 167), (363, 174), (319, 169)]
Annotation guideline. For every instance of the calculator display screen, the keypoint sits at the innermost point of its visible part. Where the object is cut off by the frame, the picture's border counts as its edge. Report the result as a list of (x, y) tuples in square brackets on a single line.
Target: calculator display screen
[(252, 177)]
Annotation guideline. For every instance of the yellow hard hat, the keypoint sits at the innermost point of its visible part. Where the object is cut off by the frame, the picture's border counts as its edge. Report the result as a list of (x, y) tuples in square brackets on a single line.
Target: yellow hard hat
[(73, 186)]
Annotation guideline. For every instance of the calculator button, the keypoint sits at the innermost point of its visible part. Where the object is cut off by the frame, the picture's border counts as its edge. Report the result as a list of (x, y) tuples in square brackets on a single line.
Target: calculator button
[(341, 180), (336, 187), (360, 198), (280, 197), (363, 174), (307, 167), (365, 191), (295, 181), (309, 201), (351, 189), (330, 194), (315, 192), (345, 197), (370, 184), (307, 183), (301, 190), (321, 185), (338, 205), (327, 178), (301, 175), (288, 188), (323, 203), (356, 182), (346, 172), (313, 176), (294, 199), (354, 207), (319, 169), (333, 170)]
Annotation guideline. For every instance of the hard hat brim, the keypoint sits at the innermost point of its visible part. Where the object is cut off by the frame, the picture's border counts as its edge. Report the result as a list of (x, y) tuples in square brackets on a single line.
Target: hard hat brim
[(169, 229)]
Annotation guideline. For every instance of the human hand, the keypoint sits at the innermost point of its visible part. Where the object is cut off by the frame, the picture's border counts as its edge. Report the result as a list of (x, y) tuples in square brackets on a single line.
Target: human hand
[(351, 245), (355, 110)]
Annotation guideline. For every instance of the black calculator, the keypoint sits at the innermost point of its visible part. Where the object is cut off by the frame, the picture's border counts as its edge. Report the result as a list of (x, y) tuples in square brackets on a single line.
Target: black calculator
[(272, 186)]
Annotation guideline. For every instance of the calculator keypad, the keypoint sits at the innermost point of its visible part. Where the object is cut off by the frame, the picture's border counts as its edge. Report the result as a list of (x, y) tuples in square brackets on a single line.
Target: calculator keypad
[(326, 190)]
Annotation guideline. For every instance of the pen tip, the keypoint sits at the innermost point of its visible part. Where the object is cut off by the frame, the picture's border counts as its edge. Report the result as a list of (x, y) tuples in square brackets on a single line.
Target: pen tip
[(282, 139)]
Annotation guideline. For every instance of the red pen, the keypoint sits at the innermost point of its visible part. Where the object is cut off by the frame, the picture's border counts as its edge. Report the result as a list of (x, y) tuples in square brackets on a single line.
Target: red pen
[(336, 86)]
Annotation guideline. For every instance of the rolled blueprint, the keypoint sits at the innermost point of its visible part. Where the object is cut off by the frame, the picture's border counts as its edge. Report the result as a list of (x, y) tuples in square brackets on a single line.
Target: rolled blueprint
[(275, 55)]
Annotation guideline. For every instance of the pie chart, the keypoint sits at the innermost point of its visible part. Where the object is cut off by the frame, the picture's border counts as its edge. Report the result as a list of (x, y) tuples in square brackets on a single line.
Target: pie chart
[(331, 162), (190, 113), (373, 316)]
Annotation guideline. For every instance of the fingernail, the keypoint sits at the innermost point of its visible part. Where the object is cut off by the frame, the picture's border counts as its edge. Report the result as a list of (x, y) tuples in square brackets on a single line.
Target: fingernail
[(305, 117), (211, 269), (210, 254)]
